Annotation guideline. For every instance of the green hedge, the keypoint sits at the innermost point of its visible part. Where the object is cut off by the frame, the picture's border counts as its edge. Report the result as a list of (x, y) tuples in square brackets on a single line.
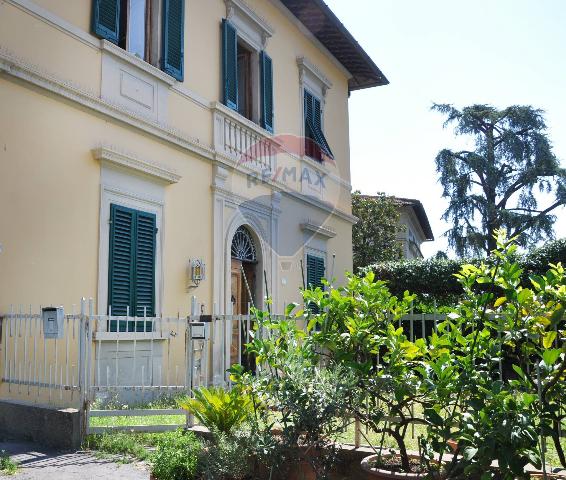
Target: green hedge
[(433, 280)]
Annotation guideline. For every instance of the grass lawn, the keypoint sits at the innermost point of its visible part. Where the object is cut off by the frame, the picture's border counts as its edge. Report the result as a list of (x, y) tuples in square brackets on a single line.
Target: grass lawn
[(146, 420)]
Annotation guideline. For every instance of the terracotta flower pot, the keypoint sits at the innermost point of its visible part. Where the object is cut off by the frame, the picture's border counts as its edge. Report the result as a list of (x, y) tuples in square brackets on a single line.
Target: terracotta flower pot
[(381, 473), (453, 444)]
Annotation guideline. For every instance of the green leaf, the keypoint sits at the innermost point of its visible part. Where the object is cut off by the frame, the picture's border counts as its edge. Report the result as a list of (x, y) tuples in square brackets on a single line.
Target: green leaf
[(548, 338), (550, 356), (524, 295), (519, 371), (433, 417), (289, 308)]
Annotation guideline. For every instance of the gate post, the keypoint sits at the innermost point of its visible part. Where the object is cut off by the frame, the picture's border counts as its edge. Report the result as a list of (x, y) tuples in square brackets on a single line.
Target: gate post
[(84, 362)]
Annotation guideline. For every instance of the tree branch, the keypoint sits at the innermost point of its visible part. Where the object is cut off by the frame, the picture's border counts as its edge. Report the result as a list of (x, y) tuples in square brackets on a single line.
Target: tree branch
[(529, 223)]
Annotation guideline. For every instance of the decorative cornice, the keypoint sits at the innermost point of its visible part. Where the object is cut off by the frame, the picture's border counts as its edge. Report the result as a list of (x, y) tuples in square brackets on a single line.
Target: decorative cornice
[(305, 65), (321, 230), (18, 68), (251, 204), (260, 22), (148, 68), (324, 206), (321, 168), (158, 171), (228, 163)]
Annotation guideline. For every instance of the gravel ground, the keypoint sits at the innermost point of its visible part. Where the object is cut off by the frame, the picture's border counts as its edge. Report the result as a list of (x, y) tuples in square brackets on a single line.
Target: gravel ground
[(37, 462)]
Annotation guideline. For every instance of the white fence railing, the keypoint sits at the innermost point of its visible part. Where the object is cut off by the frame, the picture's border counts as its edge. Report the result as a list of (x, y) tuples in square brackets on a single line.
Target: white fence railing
[(39, 369), (114, 366)]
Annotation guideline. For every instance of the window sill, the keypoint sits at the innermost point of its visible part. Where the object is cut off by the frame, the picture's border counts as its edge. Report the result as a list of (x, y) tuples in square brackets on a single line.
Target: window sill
[(129, 336), (137, 62), (319, 165)]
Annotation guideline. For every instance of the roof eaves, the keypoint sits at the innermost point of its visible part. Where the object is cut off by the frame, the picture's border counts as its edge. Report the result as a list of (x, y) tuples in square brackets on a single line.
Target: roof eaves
[(338, 41)]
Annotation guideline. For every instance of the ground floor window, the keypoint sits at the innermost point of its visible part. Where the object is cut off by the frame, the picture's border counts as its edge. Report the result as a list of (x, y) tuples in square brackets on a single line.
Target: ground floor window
[(131, 272), (315, 274)]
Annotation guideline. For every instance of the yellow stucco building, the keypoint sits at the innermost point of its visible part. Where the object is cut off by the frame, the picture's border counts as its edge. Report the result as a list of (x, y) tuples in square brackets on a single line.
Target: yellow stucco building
[(145, 142)]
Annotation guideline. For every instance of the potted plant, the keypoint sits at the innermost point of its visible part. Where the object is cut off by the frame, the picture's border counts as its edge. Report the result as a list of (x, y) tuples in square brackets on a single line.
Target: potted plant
[(304, 404), (455, 380), (358, 330)]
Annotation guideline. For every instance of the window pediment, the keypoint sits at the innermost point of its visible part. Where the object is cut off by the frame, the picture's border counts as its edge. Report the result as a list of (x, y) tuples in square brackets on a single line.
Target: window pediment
[(312, 77), (254, 29)]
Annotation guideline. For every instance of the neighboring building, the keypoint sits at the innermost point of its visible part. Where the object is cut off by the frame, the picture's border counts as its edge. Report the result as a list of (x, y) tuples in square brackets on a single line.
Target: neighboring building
[(415, 227), (137, 135)]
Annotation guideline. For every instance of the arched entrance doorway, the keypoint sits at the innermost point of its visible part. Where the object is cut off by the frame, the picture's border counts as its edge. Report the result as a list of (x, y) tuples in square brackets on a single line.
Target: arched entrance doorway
[(243, 282)]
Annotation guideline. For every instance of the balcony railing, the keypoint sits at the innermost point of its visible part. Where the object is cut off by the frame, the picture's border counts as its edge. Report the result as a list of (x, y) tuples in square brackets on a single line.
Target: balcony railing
[(242, 141)]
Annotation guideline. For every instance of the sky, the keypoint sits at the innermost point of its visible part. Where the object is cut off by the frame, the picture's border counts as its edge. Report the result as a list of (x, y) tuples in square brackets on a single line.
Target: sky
[(499, 52)]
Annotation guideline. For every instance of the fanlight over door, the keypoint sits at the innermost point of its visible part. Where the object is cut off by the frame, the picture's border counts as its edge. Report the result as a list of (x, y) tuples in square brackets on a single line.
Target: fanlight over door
[(243, 247)]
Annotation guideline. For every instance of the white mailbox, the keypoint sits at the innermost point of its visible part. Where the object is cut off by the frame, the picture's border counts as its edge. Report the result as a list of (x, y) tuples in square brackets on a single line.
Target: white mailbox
[(199, 330), (53, 322)]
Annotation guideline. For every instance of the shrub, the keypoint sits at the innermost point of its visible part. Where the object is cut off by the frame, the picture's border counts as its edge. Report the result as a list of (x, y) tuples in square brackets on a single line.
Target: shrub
[(176, 456), (312, 400), (217, 409), (228, 457), (434, 279)]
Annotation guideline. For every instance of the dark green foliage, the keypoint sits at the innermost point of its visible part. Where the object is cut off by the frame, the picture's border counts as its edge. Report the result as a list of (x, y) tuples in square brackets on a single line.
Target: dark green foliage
[(374, 237), (434, 278), (229, 457), (494, 185)]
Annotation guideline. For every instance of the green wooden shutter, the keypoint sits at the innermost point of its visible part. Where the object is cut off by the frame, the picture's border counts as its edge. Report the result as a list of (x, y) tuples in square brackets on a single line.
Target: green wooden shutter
[(315, 274), (320, 272), (316, 117), (121, 260), (144, 279), (131, 269), (313, 125), (106, 19), (315, 271), (308, 107), (173, 38), (230, 64), (266, 73)]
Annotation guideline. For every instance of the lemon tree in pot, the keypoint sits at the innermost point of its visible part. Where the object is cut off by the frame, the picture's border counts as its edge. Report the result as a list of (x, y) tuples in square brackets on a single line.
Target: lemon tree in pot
[(498, 415), (455, 378), (358, 330)]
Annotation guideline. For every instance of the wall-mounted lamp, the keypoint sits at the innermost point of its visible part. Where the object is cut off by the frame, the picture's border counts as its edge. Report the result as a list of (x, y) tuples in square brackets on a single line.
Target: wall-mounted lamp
[(197, 272)]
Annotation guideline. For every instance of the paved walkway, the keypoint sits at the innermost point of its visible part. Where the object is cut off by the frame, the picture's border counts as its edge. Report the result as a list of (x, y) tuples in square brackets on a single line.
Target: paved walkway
[(38, 463)]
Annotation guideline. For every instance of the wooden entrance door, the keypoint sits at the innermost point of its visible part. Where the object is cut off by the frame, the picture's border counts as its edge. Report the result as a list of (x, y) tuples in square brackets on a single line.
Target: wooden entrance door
[(240, 306)]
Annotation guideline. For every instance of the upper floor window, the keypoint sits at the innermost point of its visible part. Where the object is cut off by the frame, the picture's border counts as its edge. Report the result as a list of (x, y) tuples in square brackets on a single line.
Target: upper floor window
[(246, 96), (135, 22), (314, 85), (152, 30), (316, 145), (247, 70)]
